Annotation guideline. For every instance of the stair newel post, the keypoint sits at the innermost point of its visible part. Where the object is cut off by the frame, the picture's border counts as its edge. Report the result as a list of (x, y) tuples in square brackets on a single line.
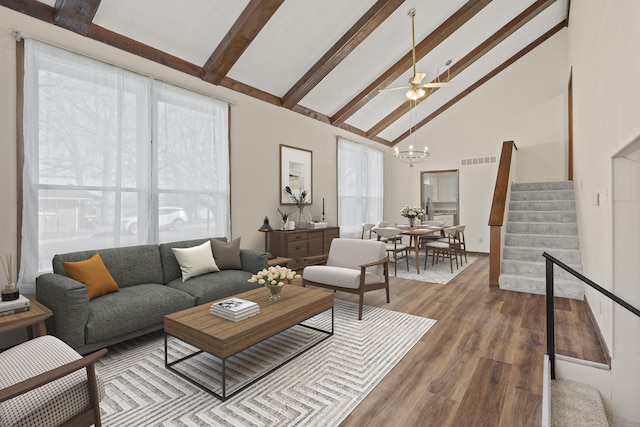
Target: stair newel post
[(551, 342)]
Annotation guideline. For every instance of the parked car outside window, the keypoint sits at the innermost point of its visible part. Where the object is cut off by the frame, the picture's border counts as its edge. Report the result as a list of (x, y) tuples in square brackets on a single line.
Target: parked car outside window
[(169, 218)]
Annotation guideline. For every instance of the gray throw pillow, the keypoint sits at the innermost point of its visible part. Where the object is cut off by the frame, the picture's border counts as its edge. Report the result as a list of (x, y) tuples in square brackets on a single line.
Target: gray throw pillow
[(227, 255)]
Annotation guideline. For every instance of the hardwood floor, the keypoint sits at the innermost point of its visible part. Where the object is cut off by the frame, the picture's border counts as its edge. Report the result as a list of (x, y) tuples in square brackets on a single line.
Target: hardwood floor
[(481, 364)]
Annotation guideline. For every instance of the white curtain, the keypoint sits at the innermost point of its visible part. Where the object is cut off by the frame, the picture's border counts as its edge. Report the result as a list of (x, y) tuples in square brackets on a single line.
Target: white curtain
[(360, 186), (113, 158)]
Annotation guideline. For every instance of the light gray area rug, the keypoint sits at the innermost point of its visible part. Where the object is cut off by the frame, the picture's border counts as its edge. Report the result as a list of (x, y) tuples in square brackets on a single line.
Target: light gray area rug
[(319, 388), (439, 273)]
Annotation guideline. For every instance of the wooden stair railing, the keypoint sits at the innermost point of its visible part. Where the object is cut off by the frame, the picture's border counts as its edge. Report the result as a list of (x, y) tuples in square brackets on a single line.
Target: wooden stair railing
[(496, 217)]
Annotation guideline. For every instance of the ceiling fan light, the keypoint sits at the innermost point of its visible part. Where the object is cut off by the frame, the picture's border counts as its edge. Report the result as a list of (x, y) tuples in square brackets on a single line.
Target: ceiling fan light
[(415, 94)]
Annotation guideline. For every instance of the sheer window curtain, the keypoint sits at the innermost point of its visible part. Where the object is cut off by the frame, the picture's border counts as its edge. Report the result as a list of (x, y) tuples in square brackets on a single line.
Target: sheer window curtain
[(113, 158), (360, 186)]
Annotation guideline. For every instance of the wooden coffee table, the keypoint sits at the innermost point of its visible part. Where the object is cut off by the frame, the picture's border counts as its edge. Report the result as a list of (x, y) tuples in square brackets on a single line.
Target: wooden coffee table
[(223, 338)]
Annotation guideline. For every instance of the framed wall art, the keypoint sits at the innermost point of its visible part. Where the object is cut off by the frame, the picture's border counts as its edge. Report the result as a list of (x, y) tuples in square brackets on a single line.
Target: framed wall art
[(295, 172)]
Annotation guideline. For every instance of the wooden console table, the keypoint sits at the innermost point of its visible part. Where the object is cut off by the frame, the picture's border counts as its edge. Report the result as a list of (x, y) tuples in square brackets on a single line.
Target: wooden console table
[(301, 243)]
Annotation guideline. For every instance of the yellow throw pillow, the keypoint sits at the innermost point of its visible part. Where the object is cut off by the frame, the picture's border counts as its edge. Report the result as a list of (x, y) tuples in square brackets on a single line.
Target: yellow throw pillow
[(93, 274)]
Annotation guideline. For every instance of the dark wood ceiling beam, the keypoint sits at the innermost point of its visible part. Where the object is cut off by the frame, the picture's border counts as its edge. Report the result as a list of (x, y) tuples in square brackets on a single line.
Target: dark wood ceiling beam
[(75, 15), (484, 79), (251, 91), (493, 41), (250, 22), (103, 35), (274, 100), (32, 8), (452, 24), (366, 25)]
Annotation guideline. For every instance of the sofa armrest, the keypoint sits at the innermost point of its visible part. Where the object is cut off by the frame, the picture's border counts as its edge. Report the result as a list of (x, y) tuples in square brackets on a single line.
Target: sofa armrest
[(69, 301), (253, 261)]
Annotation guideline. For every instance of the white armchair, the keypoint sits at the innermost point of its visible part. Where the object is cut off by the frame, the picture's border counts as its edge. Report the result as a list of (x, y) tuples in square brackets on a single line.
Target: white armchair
[(43, 383), (353, 265)]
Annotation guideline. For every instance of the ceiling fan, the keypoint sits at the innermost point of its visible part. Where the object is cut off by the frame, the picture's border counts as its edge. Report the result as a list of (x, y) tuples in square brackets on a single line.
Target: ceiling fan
[(415, 86)]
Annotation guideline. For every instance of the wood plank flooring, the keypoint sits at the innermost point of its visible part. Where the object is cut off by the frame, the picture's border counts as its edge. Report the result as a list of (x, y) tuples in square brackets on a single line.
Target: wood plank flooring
[(481, 364)]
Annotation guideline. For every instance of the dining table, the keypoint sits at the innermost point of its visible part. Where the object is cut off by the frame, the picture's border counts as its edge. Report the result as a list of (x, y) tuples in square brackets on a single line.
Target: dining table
[(414, 233)]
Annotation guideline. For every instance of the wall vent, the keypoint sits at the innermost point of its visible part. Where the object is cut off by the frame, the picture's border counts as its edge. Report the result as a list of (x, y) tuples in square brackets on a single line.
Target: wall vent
[(478, 161)]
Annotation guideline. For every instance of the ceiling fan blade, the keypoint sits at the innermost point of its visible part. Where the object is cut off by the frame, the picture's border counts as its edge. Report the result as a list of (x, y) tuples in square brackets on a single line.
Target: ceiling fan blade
[(437, 85), (394, 88), (417, 79)]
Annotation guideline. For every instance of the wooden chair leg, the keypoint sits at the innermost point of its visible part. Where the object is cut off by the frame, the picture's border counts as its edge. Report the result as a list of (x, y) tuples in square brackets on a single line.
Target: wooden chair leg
[(406, 253), (93, 395), (360, 306)]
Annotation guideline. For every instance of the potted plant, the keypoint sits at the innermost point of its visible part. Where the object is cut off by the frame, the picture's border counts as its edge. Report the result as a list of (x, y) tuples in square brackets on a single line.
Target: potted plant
[(412, 212), (274, 278)]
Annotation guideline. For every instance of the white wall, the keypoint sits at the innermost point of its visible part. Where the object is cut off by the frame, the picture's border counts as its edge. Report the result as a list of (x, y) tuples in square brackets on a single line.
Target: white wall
[(526, 103), (604, 55)]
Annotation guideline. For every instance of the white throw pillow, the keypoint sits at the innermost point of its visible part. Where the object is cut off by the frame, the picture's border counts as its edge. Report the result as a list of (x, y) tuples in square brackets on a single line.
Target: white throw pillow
[(195, 261)]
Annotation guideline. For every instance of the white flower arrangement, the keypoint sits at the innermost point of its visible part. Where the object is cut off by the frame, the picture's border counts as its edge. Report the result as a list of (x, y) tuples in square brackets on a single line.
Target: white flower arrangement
[(274, 276), (412, 212)]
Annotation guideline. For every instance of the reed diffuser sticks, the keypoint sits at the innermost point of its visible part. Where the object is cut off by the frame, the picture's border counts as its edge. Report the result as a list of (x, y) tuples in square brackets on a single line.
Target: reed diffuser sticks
[(8, 267)]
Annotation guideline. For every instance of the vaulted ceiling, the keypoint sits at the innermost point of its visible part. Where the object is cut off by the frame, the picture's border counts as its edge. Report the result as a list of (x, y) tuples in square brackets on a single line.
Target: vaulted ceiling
[(326, 59)]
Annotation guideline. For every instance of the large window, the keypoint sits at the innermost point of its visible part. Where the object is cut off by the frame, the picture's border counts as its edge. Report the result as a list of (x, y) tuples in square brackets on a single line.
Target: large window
[(113, 158), (360, 186)]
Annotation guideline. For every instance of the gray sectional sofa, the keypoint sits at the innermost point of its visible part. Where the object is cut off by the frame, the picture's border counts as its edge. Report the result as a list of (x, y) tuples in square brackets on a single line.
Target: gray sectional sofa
[(150, 286)]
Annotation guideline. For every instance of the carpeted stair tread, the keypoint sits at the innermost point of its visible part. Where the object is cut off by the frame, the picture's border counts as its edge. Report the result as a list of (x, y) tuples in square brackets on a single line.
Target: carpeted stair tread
[(542, 195), (543, 216), (575, 405), (548, 228), (542, 186), (537, 285), (563, 241), (525, 253), (536, 269), (542, 205)]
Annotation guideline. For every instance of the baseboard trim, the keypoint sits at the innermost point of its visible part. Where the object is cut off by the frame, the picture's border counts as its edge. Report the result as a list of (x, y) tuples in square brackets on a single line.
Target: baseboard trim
[(603, 366)]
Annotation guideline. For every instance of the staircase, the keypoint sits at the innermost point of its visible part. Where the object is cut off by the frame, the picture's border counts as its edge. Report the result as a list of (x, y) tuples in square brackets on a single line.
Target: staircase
[(542, 218)]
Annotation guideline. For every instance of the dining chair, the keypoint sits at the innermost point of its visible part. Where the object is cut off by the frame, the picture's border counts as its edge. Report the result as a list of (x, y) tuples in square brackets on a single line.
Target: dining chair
[(458, 240), (366, 230), (425, 238), (384, 224), (443, 249), (395, 248), (462, 246)]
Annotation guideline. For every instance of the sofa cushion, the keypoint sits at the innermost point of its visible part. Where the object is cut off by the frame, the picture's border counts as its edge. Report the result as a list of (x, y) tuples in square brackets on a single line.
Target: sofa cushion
[(93, 274), (133, 308), (129, 265), (170, 267), (227, 255), (195, 261), (213, 286)]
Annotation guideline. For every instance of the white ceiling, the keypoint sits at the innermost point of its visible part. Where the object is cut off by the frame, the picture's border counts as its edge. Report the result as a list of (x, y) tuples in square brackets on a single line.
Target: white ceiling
[(300, 32)]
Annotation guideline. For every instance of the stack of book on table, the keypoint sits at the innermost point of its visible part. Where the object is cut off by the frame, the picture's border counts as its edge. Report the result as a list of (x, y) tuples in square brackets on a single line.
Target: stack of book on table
[(235, 309), (317, 225), (16, 306)]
